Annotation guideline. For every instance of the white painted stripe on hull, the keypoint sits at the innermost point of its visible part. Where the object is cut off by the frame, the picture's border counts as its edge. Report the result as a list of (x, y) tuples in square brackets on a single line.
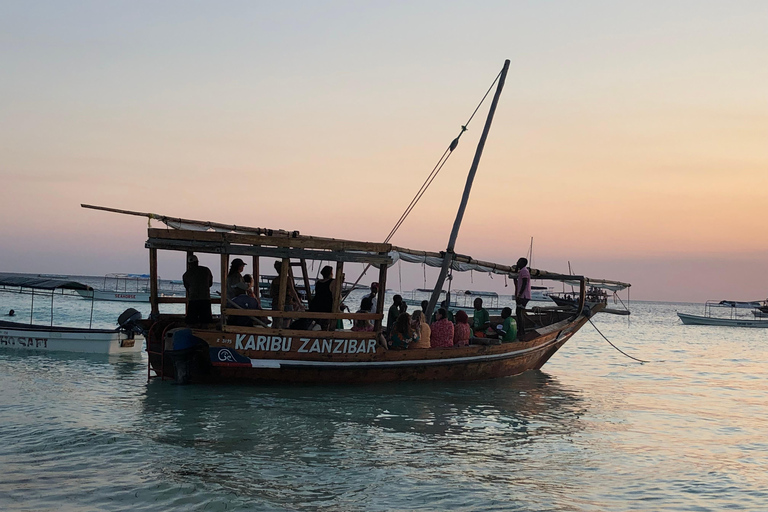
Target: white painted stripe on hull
[(279, 363)]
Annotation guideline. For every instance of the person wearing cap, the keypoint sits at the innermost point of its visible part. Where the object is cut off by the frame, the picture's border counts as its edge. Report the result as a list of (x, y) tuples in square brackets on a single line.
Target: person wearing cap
[(198, 281), (372, 296), (235, 281)]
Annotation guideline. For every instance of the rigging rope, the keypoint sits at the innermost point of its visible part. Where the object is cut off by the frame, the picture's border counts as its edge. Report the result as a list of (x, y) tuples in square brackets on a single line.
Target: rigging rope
[(430, 178), (438, 167), (614, 346)]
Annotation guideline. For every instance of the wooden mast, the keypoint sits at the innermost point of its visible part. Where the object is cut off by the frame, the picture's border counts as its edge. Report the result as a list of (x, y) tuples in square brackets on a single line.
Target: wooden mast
[(448, 258)]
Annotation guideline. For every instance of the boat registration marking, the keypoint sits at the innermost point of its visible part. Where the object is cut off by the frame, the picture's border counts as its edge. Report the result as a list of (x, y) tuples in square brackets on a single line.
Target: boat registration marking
[(23, 341)]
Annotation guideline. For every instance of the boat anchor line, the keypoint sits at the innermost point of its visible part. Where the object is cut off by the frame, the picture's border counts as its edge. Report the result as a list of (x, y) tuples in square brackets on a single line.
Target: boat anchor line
[(641, 361)]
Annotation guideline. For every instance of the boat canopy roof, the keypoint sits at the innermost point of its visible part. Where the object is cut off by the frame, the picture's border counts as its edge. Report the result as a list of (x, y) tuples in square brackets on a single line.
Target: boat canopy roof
[(462, 263), (298, 246), (41, 283), (481, 294), (737, 304)]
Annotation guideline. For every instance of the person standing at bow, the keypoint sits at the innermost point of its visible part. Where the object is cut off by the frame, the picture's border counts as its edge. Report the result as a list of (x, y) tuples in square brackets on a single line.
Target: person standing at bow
[(522, 294)]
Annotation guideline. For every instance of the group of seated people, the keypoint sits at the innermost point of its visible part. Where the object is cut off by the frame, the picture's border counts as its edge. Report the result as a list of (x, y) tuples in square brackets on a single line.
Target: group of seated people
[(445, 330), (403, 330)]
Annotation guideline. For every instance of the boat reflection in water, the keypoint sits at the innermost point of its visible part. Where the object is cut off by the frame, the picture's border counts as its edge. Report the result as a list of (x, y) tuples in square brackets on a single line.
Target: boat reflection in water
[(282, 443)]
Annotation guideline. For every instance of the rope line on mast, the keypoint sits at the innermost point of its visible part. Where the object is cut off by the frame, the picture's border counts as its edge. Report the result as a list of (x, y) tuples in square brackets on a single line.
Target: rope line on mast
[(427, 182), (438, 167)]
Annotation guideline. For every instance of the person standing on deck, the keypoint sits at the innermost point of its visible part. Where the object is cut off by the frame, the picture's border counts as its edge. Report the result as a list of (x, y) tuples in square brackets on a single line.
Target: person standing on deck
[(481, 319), (372, 296), (522, 294), (394, 312), (198, 281), (322, 302)]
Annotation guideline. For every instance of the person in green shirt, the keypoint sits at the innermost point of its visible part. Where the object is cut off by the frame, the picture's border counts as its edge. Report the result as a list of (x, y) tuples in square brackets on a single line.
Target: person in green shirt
[(507, 331), (481, 319)]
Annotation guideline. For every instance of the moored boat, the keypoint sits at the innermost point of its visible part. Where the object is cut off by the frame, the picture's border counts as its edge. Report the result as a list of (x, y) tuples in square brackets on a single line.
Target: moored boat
[(238, 345), (726, 307), (54, 338)]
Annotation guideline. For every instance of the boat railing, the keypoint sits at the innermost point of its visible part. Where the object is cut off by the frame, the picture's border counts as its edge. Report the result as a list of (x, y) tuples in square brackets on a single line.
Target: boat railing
[(733, 307)]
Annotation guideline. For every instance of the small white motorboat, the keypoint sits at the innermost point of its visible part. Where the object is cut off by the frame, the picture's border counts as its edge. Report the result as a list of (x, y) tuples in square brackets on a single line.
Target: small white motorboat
[(734, 319), (49, 338)]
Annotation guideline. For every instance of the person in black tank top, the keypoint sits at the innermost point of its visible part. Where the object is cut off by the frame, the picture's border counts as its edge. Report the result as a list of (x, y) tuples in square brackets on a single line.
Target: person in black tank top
[(322, 302)]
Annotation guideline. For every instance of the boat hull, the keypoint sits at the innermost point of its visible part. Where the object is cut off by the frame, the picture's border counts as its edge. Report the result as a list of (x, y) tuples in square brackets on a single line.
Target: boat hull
[(63, 339), (236, 356), (724, 322)]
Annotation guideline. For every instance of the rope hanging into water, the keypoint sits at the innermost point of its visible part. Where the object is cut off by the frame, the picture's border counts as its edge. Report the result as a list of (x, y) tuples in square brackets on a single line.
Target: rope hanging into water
[(438, 167), (614, 346)]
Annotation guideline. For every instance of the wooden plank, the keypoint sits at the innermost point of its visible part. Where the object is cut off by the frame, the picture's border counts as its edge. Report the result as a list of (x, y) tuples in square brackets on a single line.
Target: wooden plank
[(305, 275), (302, 314), (381, 297), (337, 289), (268, 252), (155, 308), (256, 278), (261, 240), (361, 335), (283, 284), (224, 268)]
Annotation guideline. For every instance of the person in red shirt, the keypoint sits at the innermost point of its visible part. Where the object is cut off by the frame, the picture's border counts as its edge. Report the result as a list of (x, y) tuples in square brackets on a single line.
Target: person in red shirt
[(442, 331)]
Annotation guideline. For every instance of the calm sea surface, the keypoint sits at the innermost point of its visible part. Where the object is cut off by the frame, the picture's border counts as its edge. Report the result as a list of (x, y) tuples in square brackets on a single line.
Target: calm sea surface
[(593, 431)]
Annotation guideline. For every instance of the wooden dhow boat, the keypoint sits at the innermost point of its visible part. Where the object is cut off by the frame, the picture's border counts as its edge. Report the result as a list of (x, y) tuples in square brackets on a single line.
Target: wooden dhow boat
[(227, 351)]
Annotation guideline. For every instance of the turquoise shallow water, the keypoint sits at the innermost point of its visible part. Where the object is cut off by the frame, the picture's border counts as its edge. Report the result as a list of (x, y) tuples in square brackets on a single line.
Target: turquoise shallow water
[(594, 431)]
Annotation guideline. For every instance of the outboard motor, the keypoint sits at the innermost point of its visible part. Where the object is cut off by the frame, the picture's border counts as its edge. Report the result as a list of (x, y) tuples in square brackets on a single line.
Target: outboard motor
[(189, 354), (128, 322)]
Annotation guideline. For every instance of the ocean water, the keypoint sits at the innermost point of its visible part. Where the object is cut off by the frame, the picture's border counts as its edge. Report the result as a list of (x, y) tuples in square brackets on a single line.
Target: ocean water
[(592, 431)]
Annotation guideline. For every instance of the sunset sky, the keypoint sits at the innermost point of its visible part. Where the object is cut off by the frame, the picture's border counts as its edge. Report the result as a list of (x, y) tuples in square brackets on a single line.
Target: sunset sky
[(631, 139)]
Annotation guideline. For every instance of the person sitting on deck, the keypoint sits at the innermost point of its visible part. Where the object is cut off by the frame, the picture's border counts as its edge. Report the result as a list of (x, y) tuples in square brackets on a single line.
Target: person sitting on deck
[(442, 331), (248, 278), (444, 305), (420, 326), (403, 307), (522, 294), (424, 306), (393, 313), (372, 296), (402, 333), (198, 281), (507, 331), (481, 320), (235, 281), (322, 302), (461, 331), (364, 325)]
